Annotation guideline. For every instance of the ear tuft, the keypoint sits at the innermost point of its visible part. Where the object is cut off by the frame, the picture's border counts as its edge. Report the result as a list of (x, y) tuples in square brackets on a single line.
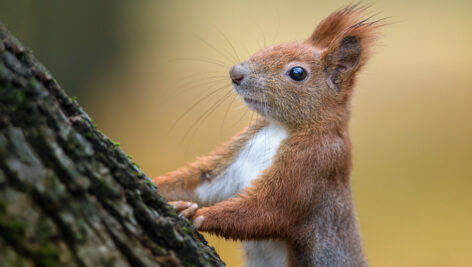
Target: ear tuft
[(345, 38), (335, 24)]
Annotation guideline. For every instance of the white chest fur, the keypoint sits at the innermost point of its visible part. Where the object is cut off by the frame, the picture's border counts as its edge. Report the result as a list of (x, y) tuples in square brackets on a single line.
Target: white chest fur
[(255, 157)]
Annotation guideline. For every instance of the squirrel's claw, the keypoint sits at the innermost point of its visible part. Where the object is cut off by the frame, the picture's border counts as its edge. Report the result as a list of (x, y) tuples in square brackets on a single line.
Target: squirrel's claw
[(184, 208), (198, 221)]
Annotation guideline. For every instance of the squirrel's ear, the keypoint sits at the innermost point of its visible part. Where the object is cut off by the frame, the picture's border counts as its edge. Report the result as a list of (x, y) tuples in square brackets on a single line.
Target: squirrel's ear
[(341, 60), (345, 39)]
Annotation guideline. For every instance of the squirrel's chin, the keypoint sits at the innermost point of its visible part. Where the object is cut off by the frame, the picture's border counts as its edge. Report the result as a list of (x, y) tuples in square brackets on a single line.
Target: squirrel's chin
[(251, 101), (258, 106)]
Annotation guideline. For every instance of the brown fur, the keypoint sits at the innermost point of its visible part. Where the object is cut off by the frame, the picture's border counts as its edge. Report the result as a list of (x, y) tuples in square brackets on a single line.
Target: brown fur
[(304, 197)]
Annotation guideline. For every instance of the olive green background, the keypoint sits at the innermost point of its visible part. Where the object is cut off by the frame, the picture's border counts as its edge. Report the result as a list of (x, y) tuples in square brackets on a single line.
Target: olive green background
[(137, 66)]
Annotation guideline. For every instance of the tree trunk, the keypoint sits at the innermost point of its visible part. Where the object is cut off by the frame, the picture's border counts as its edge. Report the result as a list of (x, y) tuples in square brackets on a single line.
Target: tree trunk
[(69, 196)]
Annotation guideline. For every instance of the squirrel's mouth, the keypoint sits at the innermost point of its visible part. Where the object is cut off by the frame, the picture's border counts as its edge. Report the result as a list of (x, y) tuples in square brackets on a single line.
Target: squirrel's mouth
[(250, 101)]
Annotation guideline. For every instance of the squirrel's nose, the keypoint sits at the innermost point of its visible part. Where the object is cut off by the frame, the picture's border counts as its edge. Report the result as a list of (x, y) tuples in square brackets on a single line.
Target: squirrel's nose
[(236, 78), (236, 73)]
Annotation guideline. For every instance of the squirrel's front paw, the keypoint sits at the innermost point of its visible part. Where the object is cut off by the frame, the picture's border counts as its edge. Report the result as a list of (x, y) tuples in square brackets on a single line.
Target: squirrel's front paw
[(184, 208), (188, 210)]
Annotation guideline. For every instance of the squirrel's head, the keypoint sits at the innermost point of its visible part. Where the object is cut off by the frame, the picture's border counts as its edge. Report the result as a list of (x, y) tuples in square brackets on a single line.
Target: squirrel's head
[(308, 82)]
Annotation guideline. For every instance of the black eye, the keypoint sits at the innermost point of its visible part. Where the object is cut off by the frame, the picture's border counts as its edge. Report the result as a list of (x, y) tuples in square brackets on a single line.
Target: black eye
[(297, 73)]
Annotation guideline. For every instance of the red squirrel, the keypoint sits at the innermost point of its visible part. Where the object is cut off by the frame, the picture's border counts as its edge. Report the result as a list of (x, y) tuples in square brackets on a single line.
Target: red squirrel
[(282, 185)]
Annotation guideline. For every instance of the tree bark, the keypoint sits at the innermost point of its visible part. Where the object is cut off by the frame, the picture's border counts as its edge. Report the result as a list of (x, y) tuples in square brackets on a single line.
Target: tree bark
[(69, 196)]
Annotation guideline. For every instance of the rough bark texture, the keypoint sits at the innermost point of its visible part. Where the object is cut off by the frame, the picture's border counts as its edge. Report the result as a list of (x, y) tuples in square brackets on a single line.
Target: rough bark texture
[(69, 196)]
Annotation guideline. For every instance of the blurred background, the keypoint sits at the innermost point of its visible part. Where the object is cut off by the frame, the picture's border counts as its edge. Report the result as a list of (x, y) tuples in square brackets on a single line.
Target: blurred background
[(153, 76)]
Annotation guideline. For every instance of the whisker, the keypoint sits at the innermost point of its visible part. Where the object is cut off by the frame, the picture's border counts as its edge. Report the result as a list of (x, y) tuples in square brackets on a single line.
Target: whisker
[(233, 97), (263, 35), (247, 51), (242, 117), (203, 75), (203, 81), (202, 59), (214, 48), (197, 123), (231, 45), (208, 61), (194, 105), (211, 59), (265, 103), (251, 143), (278, 27)]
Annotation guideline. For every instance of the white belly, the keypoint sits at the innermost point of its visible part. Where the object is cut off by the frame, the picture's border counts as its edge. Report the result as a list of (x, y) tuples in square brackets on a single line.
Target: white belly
[(255, 157)]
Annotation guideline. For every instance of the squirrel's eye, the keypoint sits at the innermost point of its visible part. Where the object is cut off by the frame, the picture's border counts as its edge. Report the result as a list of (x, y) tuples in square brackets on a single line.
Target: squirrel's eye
[(297, 73)]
